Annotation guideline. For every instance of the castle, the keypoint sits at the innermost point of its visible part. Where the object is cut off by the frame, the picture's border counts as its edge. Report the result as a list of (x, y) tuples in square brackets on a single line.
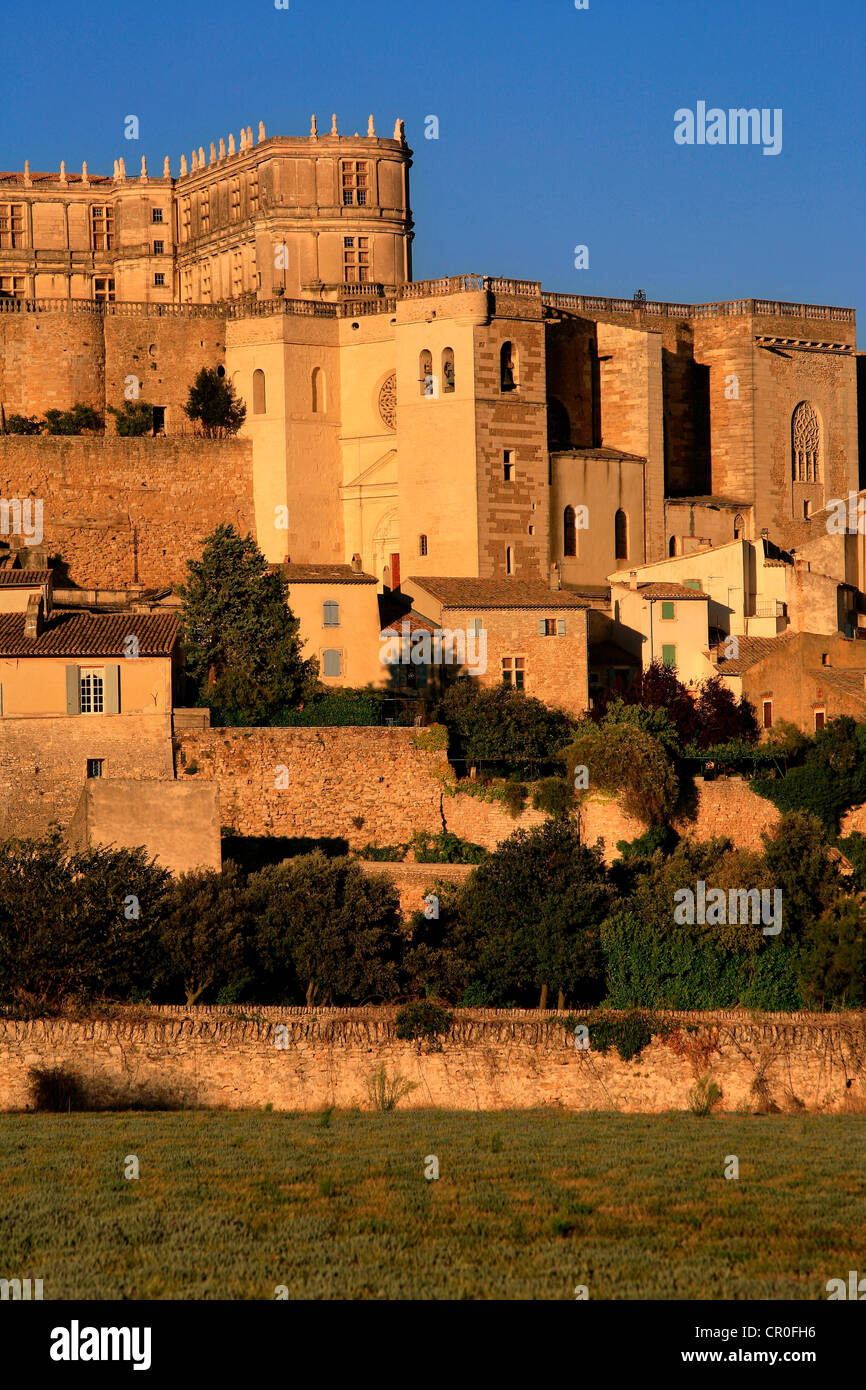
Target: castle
[(477, 445)]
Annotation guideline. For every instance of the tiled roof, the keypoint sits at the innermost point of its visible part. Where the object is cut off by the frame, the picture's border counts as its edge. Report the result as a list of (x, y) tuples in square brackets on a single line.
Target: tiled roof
[(326, 574), (602, 453), (17, 176), (495, 593), (851, 683), (90, 634), (752, 650), (24, 579), (417, 623), (664, 590)]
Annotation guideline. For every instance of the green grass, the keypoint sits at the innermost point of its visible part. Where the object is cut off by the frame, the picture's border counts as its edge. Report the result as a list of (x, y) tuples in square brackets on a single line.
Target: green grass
[(527, 1205)]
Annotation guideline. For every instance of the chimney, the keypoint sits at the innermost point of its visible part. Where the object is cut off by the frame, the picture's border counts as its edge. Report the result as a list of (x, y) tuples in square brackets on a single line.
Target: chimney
[(632, 579), (33, 618), (555, 577), (356, 564), (714, 656)]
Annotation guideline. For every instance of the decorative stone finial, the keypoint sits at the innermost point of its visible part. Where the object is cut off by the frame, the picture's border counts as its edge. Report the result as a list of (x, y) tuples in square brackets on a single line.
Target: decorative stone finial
[(399, 129), (261, 131), (166, 168), (84, 179), (27, 179), (371, 128), (201, 155), (63, 178), (232, 143), (183, 168), (222, 148), (334, 130), (116, 170), (314, 129), (194, 162), (243, 142), (212, 159), (249, 137), (143, 169), (121, 169)]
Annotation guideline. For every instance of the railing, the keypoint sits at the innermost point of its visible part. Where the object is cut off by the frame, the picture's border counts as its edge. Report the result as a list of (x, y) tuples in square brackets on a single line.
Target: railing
[(769, 608), (729, 308)]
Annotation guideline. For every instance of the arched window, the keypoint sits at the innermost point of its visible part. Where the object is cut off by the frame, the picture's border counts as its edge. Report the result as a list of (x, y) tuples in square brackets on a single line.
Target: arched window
[(558, 425), (508, 367), (425, 373), (422, 545), (569, 533), (805, 444), (447, 369), (320, 392), (620, 535), (331, 613), (672, 546), (258, 392), (739, 527), (509, 559)]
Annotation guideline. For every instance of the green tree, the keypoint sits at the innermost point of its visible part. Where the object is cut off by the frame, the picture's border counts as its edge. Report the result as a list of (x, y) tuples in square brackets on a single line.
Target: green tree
[(834, 956), (133, 419), (535, 907), (624, 758), (240, 638), (202, 933), (79, 419), (214, 404), (75, 927), (22, 424), (326, 931), (500, 724), (797, 861)]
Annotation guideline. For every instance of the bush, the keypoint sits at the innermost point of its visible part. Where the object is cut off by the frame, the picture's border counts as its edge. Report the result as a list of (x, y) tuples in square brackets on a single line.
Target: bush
[(23, 424), (704, 1095), (202, 934), (831, 780), (328, 708), (383, 854), (384, 1092), (624, 758), (79, 419), (133, 419), (445, 848), (214, 405), (553, 795), (629, 1034), (500, 724), (424, 1021)]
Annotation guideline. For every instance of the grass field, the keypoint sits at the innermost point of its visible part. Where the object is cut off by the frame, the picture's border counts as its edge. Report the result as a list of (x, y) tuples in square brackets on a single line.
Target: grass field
[(527, 1205)]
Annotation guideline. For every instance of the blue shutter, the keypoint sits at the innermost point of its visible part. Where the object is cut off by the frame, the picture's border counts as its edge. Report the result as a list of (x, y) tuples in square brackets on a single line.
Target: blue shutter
[(73, 690), (541, 627), (560, 627), (111, 696)]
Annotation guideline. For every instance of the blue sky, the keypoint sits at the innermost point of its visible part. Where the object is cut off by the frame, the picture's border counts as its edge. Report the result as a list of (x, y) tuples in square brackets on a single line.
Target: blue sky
[(555, 125)]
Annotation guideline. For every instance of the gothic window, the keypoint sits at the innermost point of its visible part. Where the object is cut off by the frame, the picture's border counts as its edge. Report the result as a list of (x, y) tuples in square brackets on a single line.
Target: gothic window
[(805, 444), (739, 527), (388, 401), (258, 392), (425, 373), (569, 533), (447, 369), (508, 367), (620, 532), (320, 404)]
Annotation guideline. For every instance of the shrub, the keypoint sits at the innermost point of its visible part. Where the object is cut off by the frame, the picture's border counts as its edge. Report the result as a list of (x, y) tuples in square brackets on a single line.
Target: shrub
[(629, 1033), (625, 758), (202, 933), (500, 724), (23, 424), (75, 421), (553, 795), (424, 1021), (704, 1095), (133, 419), (214, 404), (328, 708), (384, 1092), (383, 854), (445, 848)]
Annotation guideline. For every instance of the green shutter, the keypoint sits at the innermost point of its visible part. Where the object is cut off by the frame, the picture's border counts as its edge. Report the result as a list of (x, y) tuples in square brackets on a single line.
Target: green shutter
[(111, 695), (73, 690), (668, 611), (669, 655), (693, 584)]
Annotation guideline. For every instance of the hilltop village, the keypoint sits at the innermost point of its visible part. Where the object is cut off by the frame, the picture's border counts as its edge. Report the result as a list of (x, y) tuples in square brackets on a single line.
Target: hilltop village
[(552, 490)]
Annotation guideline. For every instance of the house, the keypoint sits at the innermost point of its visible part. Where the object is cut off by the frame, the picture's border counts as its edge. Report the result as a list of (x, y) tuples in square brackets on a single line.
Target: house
[(663, 622), (805, 678)]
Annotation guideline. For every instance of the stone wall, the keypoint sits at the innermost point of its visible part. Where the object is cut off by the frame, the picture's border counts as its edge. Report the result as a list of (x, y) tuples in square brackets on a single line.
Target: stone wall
[(43, 763), (415, 881), (491, 1060), (724, 807), (130, 511), (365, 785), (176, 822)]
